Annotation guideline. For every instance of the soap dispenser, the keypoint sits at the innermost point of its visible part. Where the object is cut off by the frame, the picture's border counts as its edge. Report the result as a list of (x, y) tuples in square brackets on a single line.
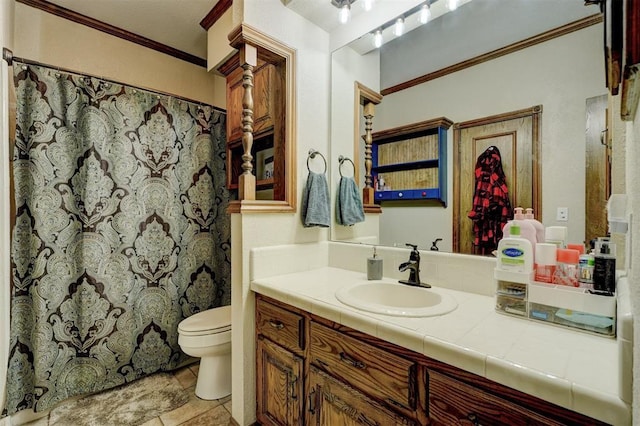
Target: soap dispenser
[(374, 266)]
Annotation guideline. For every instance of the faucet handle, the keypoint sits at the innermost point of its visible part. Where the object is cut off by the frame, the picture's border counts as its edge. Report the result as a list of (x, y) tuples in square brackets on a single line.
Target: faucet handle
[(415, 254)]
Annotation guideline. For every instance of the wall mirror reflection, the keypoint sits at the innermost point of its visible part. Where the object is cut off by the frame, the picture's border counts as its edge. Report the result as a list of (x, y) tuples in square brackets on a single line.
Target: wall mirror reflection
[(528, 77)]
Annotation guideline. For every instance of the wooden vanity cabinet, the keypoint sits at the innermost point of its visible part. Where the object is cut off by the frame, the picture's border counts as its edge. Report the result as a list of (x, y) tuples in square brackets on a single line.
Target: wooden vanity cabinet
[(316, 372), (332, 402), (280, 365), (380, 374), (452, 402), (280, 385)]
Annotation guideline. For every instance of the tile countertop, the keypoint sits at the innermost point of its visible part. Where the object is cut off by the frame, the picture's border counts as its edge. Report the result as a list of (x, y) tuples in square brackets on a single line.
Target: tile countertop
[(572, 369)]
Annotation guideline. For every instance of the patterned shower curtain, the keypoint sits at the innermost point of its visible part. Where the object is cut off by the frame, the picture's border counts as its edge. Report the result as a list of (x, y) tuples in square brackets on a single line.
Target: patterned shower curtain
[(120, 233)]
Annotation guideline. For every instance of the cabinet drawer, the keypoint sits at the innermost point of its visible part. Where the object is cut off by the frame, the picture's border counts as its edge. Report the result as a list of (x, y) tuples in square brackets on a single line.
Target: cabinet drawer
[(380, 374), (284, 327), (455, 403)]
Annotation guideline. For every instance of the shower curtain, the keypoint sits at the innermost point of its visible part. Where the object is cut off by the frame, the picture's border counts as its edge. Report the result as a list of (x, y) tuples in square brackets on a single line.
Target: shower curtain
[(120, 233)]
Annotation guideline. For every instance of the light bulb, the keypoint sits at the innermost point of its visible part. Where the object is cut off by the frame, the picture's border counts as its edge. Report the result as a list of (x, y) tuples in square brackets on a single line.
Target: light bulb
[(453, 5), (399, 27), (345, 13), (367, 4), (377, 38), (425, 13)]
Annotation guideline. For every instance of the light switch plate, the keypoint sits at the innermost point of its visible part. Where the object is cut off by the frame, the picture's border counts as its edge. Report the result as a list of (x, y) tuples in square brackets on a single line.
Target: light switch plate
[(563, 214)]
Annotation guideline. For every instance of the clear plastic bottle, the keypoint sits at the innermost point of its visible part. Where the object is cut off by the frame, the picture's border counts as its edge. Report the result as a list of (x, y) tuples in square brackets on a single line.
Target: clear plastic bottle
[(567, 268), (586, 265), (545, 264)]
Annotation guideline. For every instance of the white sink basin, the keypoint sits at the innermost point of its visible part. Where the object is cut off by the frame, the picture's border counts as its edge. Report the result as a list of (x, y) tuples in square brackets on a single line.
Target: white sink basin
[(391, 298)]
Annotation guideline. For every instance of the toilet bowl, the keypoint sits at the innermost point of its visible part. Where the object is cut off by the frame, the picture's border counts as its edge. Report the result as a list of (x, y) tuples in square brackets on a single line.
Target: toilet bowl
[(207, 335)]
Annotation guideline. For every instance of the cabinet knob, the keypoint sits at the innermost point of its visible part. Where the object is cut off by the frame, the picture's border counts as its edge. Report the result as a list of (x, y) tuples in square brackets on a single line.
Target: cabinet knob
[(400, 194)]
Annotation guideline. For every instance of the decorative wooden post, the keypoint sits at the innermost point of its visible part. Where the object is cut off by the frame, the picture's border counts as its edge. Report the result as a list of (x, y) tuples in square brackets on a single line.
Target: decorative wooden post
[(368, 192), (247, 180)]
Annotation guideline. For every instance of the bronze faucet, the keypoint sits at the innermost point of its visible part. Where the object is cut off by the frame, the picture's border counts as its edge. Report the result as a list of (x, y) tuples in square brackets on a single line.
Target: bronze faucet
[(413, 265)]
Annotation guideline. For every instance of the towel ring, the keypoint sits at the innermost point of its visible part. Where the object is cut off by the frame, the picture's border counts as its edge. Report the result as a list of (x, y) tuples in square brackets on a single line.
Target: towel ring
[(341, 160), (312, 154)]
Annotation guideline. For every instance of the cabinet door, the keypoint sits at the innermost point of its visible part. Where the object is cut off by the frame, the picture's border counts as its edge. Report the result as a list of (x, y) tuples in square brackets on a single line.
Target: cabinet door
[(264, 101), (455, 403), (381, 374), (331, 402), (280, 386)]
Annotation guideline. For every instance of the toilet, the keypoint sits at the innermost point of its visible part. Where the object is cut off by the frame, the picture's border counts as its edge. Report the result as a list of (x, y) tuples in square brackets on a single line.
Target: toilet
[(207, 335)]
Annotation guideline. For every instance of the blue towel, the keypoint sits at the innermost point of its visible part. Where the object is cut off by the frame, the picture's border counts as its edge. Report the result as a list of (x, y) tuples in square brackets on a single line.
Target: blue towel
[(349, 208), (315, 209)]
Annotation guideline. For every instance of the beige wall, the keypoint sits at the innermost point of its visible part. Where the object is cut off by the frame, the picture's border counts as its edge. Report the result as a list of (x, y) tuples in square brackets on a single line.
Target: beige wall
[(218, 49), (46, 38)]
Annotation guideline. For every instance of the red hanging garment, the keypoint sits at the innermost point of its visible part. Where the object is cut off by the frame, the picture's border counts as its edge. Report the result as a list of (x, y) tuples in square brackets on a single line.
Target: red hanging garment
[(491, 207)]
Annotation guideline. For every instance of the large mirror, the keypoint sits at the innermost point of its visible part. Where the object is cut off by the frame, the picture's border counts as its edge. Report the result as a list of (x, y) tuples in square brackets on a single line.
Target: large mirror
[(553, 60)]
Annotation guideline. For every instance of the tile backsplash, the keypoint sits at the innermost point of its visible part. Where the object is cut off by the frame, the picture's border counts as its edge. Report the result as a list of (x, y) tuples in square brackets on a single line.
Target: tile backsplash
[(473, 274)]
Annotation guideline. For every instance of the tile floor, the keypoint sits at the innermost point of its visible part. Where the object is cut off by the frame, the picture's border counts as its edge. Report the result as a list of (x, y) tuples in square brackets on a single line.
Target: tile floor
[(196, 412)]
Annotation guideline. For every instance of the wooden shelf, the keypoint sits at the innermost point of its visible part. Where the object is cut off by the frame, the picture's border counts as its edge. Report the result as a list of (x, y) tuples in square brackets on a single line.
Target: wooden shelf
[(424, 164), (412, 160), (408, 194)]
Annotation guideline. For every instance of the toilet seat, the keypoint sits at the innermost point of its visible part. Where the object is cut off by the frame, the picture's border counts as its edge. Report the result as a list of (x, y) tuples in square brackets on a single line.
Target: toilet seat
[(211, 321)]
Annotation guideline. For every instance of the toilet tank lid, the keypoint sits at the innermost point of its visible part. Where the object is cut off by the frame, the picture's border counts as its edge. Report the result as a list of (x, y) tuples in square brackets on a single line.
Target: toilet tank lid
[(211, 319)]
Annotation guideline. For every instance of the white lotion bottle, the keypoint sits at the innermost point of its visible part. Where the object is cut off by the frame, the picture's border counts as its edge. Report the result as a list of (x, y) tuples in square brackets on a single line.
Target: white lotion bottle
[(539, 227), (525, 228), (515, 254)]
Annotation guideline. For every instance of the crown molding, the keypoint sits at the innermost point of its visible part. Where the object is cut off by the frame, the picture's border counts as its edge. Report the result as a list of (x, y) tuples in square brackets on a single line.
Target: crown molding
[(81, 19)]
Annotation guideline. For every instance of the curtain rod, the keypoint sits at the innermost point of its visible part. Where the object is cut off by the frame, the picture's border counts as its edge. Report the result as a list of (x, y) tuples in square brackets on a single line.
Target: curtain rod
[(7, 55)]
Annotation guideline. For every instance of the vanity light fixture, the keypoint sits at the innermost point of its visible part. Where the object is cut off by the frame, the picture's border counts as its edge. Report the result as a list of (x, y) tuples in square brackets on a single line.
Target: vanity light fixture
[(417, 15), (344, 14), (425, 13), (367, 4), (399, 27), (377, 38)]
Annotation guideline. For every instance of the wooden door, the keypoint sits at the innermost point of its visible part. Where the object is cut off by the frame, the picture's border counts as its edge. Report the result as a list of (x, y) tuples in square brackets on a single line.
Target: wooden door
[(516, 135), (598, 170), (332, 402), (280, 386)]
